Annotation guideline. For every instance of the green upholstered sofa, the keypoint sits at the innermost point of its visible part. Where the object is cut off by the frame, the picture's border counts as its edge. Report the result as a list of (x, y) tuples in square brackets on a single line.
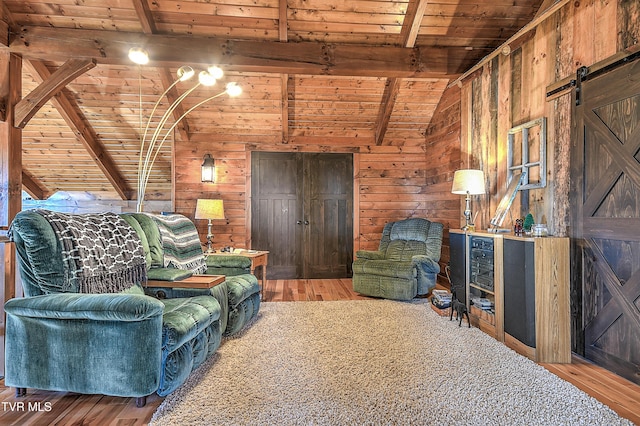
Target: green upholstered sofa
[(121, 343), (405, 264), (239, 295)]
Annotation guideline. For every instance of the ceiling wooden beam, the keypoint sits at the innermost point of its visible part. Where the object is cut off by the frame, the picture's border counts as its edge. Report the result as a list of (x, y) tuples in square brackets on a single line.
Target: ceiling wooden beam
[(69, 111), (283, 33), (31, 104), (408, 36), (33, 187), (391, 89), (4, 25), (412, 21), (312, 58), (10, 139), (144, 16)]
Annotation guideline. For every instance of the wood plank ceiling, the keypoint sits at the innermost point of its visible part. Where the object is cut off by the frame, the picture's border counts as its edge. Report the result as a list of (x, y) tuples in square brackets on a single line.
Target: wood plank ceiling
[(310, 69)]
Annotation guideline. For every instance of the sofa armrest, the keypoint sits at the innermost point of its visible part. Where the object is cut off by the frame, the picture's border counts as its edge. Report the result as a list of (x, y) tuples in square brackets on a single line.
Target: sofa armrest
[(369, 255), (97, 307), (426, 264), (228, 261)]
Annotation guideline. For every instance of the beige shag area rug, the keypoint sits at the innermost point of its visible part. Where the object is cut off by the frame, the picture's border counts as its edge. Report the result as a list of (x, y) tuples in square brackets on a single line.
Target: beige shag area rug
[(372, 362)]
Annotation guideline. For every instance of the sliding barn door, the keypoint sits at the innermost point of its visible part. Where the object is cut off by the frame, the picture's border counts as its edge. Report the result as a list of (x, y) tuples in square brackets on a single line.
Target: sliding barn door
[(302, 212), (606, 218)]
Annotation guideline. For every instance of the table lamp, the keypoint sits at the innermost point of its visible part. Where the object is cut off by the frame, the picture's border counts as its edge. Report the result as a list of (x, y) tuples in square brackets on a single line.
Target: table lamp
[(209, 209), (468, 182)]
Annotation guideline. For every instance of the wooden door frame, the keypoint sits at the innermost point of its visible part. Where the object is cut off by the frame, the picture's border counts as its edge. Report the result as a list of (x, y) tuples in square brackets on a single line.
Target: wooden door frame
[(356, 198)]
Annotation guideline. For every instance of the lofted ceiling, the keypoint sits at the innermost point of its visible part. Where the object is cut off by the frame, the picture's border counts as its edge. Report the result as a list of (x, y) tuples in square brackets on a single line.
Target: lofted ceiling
[(331, 70)]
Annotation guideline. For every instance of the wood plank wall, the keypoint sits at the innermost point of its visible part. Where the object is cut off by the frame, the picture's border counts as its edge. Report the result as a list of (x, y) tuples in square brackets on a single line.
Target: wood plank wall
[(580, 34), (443, 159), (511, 90), (409, 175), (390, 185)]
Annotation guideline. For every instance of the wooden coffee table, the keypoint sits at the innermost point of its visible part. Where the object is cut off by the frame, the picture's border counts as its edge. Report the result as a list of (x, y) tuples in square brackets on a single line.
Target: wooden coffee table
[(194, 281)]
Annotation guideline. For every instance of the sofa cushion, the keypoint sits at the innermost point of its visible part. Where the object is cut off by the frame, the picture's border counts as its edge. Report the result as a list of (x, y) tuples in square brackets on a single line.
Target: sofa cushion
[(184, 319), (61, 252), (410, 229), (143, 237), (154, 240), (39, 254), (386, 268), (403, 250)]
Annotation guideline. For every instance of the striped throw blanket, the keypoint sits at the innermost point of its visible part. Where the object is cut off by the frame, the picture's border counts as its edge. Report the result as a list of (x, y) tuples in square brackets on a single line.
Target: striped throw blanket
[(181, 243)]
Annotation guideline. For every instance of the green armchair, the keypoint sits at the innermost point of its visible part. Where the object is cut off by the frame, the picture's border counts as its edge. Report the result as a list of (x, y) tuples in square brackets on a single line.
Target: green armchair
[(405, 264)]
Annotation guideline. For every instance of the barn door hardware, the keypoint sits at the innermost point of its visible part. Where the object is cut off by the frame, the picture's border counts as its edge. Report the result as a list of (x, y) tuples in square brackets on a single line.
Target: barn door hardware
[(581, 75), (586, 73)]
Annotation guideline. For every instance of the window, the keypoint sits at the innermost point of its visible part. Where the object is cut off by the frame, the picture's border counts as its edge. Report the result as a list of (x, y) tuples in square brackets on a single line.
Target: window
[(527, 153)]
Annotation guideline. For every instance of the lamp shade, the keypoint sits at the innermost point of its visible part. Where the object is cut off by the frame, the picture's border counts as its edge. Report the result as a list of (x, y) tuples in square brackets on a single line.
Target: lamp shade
[(468, 181), (209, 209)]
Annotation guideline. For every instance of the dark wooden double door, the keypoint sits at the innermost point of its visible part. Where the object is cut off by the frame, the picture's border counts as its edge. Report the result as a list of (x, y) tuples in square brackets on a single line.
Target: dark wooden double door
[(606, 221), (302, 212)]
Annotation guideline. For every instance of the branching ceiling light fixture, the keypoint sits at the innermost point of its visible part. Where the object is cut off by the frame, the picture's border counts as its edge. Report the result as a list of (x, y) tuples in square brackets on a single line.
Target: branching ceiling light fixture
[(152, 139)]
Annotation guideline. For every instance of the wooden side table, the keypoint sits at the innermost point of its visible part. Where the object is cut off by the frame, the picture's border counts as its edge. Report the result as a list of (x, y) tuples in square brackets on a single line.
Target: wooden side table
[(258, 258), (194, 281)]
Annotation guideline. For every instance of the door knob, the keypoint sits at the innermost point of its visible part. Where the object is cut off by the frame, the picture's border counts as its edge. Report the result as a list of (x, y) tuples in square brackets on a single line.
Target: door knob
[(306, 222), (298, 222)]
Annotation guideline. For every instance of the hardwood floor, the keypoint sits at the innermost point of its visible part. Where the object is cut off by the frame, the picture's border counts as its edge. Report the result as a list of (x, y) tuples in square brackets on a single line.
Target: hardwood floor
[(309, 290), (63, 408)]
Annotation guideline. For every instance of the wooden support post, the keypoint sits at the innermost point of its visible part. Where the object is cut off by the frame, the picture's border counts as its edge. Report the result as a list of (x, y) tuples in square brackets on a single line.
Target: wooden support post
[(10, 176)]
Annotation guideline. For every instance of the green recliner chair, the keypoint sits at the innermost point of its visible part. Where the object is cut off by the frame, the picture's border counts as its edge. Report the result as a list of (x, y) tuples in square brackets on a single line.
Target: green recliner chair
[(405, 264)]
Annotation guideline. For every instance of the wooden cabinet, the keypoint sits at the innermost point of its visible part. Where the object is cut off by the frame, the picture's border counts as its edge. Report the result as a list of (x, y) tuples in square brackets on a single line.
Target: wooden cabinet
[(523, 284)]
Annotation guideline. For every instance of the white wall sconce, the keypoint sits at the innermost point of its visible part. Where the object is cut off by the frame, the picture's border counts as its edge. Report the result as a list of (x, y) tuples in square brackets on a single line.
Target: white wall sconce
[(208, 169)]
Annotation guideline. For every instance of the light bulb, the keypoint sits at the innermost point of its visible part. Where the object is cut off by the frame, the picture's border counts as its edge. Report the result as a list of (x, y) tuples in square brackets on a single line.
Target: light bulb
[(216, 72), (185, 72), (233, 89), (206, 79), (138, 55)]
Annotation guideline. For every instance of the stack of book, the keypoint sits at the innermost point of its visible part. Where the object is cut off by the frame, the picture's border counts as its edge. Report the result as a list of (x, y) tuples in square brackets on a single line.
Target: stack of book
[(441, 298), (482, 303)]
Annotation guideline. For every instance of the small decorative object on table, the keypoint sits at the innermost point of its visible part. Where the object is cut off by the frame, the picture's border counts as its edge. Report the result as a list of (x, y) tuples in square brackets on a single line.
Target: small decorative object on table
[(518, 228), (528, 223), (539, 230)]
